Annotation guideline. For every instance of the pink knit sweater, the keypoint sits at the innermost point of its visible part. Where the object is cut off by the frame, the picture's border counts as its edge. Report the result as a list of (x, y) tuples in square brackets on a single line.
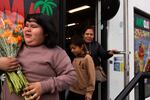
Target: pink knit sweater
[(51, 67)]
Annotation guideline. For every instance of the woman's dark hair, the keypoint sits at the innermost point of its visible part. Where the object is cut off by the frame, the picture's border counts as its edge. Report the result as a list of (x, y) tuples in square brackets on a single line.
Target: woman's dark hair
[(89, 27), (48, 27)]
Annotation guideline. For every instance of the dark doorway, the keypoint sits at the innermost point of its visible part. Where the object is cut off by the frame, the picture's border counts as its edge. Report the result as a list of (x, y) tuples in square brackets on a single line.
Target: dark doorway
[(81, 19)]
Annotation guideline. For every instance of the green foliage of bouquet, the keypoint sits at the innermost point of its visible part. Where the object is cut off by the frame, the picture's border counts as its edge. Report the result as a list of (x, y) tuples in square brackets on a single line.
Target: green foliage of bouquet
[(10, 42)]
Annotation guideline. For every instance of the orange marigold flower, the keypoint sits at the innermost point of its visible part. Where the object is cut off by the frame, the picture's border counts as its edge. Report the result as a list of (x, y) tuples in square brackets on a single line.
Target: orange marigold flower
[(19, 25), (16, 30), (20, 22), (6, 21), (12, 40), (19, 39), (6, 33)]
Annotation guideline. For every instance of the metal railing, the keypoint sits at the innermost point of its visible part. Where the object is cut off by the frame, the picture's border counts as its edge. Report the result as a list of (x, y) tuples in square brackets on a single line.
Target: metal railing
[(139, 78)]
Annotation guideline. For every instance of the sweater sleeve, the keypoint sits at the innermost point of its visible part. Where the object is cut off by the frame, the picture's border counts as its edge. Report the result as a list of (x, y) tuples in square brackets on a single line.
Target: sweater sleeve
[(91, 74), (65, 72)]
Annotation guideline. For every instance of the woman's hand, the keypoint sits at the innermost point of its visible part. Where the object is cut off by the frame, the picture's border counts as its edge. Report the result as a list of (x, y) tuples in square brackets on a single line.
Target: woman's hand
[(112, 52), (8, 64), (33, 91)]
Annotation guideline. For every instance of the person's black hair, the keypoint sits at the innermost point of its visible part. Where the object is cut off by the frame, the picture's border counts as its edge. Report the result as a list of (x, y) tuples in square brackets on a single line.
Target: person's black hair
[(48, 27), (77, 40), (89, 27)]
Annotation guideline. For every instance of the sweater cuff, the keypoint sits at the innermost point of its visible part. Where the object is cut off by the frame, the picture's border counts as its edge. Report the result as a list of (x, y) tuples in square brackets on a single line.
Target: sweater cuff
[(47, 86), (89, 94)]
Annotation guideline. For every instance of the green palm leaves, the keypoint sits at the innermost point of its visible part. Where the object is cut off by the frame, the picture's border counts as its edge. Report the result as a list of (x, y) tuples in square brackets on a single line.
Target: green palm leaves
[(46, 6)]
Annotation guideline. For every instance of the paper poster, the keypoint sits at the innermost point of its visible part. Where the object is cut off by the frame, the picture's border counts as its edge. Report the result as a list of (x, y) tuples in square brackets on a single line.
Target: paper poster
[(141, 43), (119, 63), (15, 10)]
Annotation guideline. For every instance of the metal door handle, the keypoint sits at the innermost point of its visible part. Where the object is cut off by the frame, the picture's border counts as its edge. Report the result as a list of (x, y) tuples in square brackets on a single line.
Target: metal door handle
[(122, 52)]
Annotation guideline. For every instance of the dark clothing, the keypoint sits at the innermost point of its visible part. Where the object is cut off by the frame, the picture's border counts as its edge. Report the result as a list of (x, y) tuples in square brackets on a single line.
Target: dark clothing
[(95, 93), (75, 96), (1, 72), (97, 52)]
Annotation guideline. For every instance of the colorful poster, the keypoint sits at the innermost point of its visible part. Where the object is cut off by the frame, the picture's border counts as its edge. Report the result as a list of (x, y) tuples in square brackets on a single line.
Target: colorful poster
[(141, 43), (14, 11)]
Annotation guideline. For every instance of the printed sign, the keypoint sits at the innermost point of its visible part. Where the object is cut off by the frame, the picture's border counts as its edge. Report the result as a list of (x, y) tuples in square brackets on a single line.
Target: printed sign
[(141, 43), (118, 63)]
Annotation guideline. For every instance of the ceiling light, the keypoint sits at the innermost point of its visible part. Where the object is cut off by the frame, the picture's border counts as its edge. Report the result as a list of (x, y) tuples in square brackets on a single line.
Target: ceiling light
[(79, 8), (72, 24)]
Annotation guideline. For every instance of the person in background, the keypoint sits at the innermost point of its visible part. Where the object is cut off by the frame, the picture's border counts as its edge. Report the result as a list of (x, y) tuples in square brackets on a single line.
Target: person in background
[(84, 66), (46, 66), (96, 51)]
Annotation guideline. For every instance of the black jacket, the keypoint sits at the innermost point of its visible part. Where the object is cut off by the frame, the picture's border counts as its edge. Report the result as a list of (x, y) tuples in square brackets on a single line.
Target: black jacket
[(97, 52)]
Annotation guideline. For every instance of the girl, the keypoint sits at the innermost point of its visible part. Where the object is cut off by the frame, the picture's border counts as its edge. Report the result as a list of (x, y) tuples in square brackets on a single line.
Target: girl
[(85, 70), (46, 66)]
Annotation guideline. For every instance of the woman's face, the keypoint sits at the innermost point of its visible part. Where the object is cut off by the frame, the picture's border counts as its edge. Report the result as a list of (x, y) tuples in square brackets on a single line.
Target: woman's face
[(88, 35), (33, 33)]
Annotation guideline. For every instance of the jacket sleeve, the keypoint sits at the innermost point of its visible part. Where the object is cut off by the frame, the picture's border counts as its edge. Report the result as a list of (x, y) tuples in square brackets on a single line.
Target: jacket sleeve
[(91, 74), (65, 72), (103, 54)]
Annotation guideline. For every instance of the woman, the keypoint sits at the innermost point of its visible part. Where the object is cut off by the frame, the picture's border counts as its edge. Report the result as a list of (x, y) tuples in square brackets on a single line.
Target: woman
[(96, 51), (46, 66)]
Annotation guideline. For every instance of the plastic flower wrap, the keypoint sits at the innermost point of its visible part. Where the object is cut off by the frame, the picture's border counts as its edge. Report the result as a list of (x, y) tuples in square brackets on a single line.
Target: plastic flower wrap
[(11, 38)]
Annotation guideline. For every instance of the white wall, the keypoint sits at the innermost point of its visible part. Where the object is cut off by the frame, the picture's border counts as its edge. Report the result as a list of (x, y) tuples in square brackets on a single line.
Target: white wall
[(115, 40)]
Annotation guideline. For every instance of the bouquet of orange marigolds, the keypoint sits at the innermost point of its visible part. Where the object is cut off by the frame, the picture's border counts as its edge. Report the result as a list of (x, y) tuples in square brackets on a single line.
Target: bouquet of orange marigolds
[(10, 41)]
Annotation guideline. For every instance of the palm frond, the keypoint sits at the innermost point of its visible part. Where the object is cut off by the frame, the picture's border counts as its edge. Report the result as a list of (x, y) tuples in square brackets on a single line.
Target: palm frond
[(50, 10), (52, 4), (38, 4), (47, 11), (43, 9)]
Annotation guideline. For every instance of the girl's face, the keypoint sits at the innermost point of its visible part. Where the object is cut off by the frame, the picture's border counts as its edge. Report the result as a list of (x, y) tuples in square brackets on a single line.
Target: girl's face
[(33, 33), (88, 35), (76, 50)]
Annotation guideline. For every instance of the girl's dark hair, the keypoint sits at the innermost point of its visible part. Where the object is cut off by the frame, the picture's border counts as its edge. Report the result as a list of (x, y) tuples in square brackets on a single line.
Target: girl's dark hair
[(77, 40), (48, 27)]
